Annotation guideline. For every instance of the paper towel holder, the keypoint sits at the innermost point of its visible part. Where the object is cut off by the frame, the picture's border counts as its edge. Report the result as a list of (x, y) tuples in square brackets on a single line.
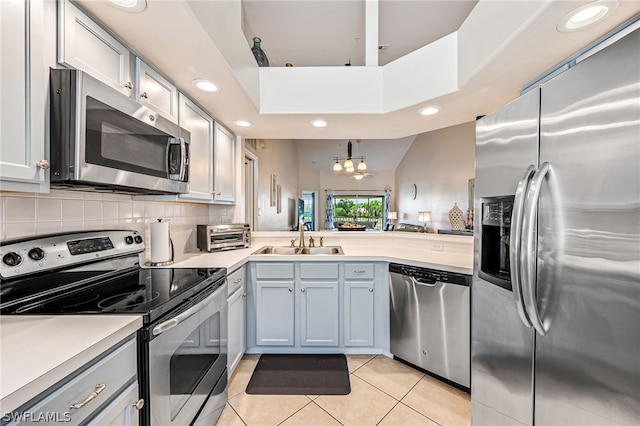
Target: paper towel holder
[(167, 262)]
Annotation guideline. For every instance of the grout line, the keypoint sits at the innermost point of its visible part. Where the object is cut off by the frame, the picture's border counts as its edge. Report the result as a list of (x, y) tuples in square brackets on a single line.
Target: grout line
[(423, 415), (389, 412), (330, 415), (298, 410)]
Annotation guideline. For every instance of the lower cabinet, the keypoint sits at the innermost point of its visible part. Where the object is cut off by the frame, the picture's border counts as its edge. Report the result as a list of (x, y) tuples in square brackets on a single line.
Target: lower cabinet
[(358, 313), (104, 392), (237, 308), (319, 314), (317, 306), (275, 313)]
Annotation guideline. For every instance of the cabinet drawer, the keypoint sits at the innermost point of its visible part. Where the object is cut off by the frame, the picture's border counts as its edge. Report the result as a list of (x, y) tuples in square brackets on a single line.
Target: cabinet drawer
[(267, 271), (235, 280), (358, 270), (318, 270), (115, 371)]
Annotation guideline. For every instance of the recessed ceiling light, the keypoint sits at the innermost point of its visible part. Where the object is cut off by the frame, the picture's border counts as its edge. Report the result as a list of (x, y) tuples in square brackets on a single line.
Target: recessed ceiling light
[(587, 15), (430, 110), (243, 123), (129, 5), (319, 123), (206, 85)]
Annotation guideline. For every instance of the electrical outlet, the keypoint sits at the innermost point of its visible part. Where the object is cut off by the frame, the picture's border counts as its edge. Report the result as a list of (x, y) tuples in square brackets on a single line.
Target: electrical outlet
[(436, 246)]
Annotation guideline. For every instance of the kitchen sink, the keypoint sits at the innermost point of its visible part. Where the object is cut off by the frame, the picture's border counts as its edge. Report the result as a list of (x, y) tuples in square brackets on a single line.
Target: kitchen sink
[(299, 250), (321, 250)]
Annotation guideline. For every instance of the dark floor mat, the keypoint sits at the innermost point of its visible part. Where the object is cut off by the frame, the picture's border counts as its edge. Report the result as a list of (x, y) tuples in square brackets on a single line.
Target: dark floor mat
[(277, 374)]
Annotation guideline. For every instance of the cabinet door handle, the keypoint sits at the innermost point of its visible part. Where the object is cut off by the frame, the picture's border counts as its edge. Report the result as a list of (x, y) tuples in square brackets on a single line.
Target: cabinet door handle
[(302, 290), (290, 289), (244, 294), (370, 290), (91, 397), (43, 164), (128, 85), (138, 404), (144, 95), (237, 280)]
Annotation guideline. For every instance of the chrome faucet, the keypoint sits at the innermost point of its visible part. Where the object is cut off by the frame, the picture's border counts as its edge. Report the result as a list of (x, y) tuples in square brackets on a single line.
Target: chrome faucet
[(301, 228)]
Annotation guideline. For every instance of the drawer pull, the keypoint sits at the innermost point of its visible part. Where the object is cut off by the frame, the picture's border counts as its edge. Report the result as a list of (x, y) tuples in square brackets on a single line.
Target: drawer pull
[(290, 289), (138, 404), (244, 295), (370, 290), (303, 290), (94, 395), (238, 280), (359, 271)]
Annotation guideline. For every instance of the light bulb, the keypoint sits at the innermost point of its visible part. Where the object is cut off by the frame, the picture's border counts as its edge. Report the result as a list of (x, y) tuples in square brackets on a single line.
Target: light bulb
[(348, 165)]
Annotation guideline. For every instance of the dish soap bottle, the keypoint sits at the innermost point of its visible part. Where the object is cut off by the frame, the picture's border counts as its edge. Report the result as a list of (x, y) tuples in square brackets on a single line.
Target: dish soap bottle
[(258, 53)]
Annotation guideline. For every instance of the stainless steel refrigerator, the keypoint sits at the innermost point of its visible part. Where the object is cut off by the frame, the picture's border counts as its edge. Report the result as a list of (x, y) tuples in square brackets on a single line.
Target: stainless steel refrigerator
[(556, 285)]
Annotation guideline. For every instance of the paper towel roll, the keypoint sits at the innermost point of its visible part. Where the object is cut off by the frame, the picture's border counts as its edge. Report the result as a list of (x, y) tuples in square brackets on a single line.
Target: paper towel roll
[(160, 242)]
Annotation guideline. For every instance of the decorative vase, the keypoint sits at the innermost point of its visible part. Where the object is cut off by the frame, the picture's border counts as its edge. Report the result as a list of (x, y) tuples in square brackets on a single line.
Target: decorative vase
[(258, 53), (456, 217)]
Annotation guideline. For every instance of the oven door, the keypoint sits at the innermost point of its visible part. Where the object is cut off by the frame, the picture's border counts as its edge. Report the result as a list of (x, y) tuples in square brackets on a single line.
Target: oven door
[(187, 360)]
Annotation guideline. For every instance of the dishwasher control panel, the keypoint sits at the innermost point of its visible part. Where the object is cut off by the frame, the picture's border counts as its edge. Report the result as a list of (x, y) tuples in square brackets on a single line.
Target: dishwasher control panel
[(430, 275)]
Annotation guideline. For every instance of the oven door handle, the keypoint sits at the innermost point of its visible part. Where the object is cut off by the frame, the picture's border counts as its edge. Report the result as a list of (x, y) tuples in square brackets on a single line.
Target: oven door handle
[(169, 324)]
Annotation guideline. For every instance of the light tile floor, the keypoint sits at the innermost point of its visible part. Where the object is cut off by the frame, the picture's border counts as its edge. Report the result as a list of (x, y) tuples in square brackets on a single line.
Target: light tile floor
[(384, 392)]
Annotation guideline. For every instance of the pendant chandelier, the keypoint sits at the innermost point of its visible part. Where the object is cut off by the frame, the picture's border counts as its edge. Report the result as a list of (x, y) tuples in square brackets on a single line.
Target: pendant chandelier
[(348, 161)]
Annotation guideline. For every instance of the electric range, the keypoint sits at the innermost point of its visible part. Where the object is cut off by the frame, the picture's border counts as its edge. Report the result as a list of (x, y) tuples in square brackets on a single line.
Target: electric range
[(182, 345)]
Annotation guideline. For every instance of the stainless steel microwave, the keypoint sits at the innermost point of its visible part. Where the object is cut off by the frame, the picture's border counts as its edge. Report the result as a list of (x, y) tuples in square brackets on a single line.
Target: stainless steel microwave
[(101, 138)]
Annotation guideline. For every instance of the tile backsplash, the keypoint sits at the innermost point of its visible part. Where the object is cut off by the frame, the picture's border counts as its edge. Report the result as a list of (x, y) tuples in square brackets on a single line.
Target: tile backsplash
[(27, 214)]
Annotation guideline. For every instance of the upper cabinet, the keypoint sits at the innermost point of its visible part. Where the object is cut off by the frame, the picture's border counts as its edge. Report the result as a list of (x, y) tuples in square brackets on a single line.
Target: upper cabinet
[(23, 164), (224, 165), (200, 125), (155, 91), (84, 45)]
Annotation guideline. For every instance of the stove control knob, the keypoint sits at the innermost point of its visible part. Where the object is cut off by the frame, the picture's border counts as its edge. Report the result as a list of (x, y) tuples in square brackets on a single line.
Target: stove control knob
[(128, 239), (36, 254), (138, 239), (12, 259)]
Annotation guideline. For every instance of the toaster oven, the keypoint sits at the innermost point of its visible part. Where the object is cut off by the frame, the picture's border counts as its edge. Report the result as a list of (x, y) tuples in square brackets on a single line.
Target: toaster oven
[(223, 237)]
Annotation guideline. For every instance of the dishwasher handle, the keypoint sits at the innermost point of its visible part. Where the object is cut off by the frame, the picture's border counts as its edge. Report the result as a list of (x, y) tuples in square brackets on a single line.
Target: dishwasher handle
[(426, 284)]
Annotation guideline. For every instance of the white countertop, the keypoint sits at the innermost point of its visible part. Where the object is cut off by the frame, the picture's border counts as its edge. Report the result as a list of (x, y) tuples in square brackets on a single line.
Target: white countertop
[(446, 252), (38, 351)]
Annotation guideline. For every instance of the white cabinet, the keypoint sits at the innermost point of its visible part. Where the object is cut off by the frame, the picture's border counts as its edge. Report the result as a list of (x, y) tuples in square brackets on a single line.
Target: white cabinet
[(275, 312), (155, 91), (236, 343), (319, 313), (319, 304), (105, 390), (358, 313), (224, 165), (200, 125), (84, 45), (302, 307), (23, 103)]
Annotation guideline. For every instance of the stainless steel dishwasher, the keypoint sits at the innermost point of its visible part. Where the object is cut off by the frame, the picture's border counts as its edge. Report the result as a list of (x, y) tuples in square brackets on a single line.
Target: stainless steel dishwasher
[(430, 320)]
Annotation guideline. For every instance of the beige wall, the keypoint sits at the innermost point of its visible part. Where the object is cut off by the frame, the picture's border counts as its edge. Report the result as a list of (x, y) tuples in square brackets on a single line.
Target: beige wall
[(440, 163), (277, 157)]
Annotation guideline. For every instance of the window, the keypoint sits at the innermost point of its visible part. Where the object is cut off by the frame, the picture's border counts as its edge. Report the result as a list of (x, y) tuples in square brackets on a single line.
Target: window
[(365, 210)]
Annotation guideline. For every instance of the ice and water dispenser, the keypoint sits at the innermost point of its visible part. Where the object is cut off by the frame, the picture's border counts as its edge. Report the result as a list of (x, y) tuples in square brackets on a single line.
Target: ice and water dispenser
[(496, 227)]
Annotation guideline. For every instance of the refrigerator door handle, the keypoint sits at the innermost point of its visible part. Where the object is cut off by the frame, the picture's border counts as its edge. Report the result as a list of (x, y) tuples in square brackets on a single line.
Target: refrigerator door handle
[(529, 253), (515, 242)]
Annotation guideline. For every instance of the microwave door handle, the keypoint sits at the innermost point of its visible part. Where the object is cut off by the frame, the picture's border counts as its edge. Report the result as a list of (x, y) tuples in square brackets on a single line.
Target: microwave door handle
[(171, 323), (170, 141), (184, 159), (530, 249), (515, 242)]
